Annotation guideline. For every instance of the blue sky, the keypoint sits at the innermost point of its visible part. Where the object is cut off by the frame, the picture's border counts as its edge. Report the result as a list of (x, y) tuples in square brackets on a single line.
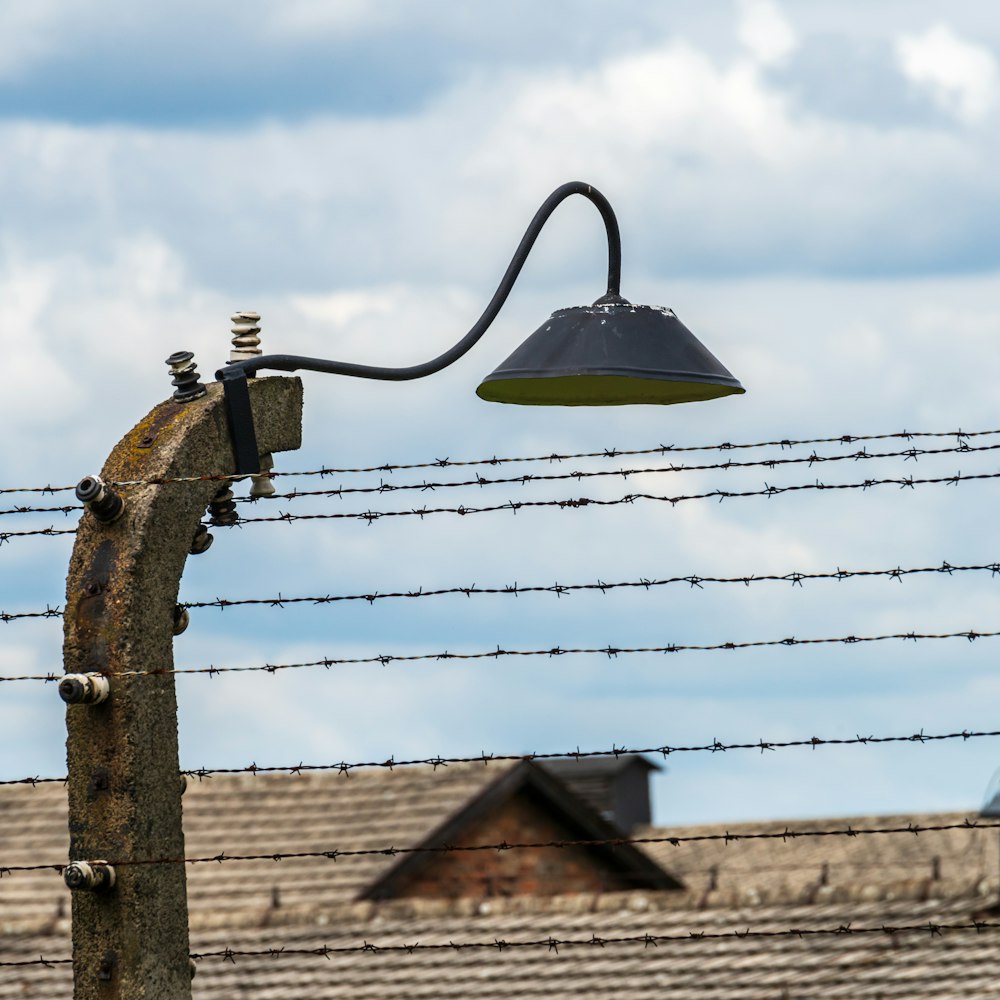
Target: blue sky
[(810, 185)]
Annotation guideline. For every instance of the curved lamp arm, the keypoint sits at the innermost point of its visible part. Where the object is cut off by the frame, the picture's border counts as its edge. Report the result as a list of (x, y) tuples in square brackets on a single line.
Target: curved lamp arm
[(293, 362), (234, 376)]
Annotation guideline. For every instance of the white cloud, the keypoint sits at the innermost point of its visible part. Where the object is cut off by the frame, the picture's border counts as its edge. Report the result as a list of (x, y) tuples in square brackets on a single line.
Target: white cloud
[(310, 17), (765, 31), (361, 240), (961, 77), (27, 32)]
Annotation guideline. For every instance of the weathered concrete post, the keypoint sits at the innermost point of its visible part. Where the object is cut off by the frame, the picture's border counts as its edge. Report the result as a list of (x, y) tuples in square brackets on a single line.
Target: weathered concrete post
[(130, 942)]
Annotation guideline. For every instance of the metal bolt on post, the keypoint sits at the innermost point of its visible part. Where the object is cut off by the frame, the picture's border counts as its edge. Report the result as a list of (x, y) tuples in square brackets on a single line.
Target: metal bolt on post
[(130, 934)]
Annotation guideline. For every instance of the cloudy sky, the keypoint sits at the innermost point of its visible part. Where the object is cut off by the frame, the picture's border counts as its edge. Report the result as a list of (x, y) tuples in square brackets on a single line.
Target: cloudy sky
[(811, 185)]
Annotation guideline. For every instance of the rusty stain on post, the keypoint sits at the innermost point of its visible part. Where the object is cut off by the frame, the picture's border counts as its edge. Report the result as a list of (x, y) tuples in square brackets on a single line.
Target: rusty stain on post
[(131, 943)]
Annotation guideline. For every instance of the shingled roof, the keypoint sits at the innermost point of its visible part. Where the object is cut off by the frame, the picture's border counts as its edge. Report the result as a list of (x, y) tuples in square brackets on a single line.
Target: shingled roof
[(954, 862), (302, 813), (835, 884), (250, 814), (848, 963)]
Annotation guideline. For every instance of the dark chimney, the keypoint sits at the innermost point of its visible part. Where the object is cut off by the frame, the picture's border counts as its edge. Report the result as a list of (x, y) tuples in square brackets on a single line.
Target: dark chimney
[(617, 787)]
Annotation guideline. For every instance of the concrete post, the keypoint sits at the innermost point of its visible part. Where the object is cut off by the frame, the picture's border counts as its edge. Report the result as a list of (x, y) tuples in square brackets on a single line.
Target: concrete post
[(131, 942)]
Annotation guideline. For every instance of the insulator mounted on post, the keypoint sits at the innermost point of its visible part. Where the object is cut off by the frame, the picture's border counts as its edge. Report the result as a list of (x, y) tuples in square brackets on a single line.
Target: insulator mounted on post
[(84, 689), (246, 336), (89, 876), (222, 509), (263, 485), (201, 542), (100, 499), (182, 619), (185, 379)]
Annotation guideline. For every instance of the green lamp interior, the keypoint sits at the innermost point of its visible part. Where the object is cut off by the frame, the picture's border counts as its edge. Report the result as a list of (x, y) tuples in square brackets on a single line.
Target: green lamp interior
[(599, 390)]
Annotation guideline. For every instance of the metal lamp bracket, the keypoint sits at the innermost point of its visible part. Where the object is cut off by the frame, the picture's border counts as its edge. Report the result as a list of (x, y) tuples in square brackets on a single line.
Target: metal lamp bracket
[(240, 413)]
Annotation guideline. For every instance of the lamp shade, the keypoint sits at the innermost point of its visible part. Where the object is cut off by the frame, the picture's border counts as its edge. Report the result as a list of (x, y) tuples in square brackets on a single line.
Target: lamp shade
[(609, 354)]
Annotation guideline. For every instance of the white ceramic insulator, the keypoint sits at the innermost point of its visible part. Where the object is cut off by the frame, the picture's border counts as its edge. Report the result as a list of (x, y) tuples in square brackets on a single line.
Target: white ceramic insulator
[(100, 688), (246, 336), (263, 485), (95, 874), (96, 687)]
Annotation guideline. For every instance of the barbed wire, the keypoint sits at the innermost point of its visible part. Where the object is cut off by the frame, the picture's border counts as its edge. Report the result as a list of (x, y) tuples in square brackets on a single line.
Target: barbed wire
[(610, 651), (384, 659), (370, 516), (664, 750), (42, 961), (441, 463), (24, 509), (647, 940), (10, 616), (34, 780), (6, 536), (725, 875), (560, 589), (481, 481), (552, 944), (785, 835)]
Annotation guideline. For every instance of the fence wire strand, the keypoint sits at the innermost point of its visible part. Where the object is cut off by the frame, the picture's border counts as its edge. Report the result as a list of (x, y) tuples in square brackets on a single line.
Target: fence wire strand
[(6, 536), (624, 473), (384, 659), (662, 450), (910, 454), (561, 589), (371, 516), (647, 940), (785, 835), (664, 750), (551, 944)]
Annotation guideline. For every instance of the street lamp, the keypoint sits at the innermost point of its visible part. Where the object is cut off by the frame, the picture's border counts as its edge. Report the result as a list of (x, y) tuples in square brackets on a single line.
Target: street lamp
[(606, 354)]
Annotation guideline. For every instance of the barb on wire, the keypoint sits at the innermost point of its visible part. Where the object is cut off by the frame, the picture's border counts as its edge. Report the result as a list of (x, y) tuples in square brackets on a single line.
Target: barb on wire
[(623, 473), (647, 940), (665, 750), (65, 509), (34, 780), (442, 463), (675, 840), (42, 961), (371, 516), (10, 616), (560, 589), (6, 536)]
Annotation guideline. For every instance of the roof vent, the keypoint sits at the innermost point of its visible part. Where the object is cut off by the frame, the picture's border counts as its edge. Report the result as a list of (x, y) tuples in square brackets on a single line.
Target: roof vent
[(617, 787)]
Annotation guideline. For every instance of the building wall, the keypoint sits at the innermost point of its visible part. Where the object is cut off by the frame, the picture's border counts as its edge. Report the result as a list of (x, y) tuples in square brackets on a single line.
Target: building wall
[(528, 871)]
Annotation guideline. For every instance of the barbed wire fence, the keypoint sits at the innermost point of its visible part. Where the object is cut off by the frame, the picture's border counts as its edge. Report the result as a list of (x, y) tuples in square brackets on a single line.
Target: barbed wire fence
[(664, 750), (553, 943), (795, 578)]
